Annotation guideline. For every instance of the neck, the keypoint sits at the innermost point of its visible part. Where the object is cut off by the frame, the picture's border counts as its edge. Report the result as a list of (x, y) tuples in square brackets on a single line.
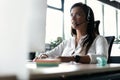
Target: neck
[(80, 33), (81, 30)]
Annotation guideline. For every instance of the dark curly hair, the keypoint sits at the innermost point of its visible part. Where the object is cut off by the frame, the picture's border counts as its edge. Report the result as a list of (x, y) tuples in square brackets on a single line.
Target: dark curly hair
[(88, 40)]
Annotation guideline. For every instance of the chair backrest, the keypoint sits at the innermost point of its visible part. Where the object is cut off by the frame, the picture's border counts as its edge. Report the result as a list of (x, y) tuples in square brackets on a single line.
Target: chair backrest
[(96, 26), (110, 40)]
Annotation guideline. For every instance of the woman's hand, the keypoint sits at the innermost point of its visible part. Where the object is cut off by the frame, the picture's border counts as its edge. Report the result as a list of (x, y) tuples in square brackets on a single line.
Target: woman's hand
[(66, 58), (43, 56)]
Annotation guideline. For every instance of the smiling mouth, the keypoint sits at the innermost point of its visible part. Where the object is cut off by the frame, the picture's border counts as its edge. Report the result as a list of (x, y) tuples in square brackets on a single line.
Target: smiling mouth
[(75, 23)]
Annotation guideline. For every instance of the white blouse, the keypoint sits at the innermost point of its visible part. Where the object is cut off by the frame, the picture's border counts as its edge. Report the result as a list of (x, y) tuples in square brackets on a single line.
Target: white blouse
[(98, 48)]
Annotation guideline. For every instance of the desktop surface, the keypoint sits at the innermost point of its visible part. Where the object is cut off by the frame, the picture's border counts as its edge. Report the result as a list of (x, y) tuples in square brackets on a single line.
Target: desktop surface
[(69, 69)]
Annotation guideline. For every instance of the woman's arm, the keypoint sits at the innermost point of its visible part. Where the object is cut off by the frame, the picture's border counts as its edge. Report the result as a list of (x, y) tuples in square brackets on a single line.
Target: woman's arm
[(57, 51), (82, 59), (100, 49)]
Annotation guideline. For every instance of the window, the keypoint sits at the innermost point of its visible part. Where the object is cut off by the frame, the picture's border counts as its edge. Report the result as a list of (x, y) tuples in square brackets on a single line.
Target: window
[(97, 9), (53, 24), (116, 46), (110, 27), (54, 20), (109, 21), (118, 24), (54, 3)]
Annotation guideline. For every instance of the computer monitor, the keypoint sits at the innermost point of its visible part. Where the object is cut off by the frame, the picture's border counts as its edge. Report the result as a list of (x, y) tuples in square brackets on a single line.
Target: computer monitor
[(22, 30)]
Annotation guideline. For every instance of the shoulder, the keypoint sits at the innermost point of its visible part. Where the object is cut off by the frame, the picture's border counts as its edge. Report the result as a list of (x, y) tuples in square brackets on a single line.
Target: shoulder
[(101, 38)]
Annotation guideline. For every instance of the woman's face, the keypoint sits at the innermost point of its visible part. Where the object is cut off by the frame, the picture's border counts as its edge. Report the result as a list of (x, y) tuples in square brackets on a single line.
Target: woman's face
[(78, 17)]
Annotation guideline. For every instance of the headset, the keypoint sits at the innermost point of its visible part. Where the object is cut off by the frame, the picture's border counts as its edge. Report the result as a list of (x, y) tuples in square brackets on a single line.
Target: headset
[(88, 15)]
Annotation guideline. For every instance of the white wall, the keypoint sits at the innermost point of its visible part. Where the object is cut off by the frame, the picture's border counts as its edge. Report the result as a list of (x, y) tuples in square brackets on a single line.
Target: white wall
[(18, 20)]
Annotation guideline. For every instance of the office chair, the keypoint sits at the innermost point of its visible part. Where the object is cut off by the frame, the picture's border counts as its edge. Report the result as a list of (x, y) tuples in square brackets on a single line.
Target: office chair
[(96, 26), (110, 40)]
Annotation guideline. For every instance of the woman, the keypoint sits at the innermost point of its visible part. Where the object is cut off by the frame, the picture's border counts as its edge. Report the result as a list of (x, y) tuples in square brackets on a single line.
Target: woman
[(84, 46)]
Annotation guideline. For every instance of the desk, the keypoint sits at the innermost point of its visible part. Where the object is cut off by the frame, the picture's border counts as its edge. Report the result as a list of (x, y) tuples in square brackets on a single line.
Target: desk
[(70, 71), (8, 77)]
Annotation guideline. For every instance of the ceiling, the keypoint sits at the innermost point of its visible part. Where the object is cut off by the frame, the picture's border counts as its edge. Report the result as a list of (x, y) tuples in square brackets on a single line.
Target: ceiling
[(114, 3)]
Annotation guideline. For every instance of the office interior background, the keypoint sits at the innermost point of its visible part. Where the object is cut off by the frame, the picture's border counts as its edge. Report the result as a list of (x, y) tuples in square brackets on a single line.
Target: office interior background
[(27, 25), (58, 19)]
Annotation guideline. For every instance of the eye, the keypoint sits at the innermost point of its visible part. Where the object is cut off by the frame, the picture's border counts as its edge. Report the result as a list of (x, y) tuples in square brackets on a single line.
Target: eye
[(78, 15), (71, 15), (75, 15)]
